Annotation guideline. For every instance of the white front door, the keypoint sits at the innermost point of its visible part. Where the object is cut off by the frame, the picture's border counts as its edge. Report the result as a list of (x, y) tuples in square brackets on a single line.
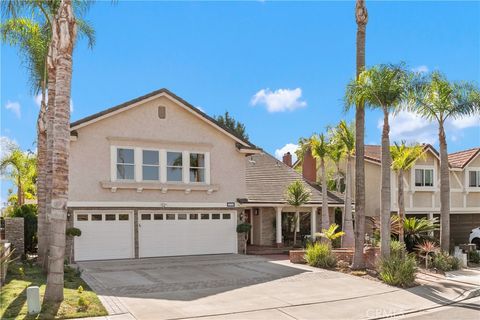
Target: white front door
[(105, 235), (163, 233)]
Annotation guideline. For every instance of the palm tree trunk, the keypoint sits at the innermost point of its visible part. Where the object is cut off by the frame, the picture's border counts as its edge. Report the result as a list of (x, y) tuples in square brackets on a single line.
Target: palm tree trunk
[(19, 191), (325, 215), (337, 180), (66, 30), (361, 17), (52, 72), (401, 206), (296, 226), (348, 240), (41, 178), (385, 196), (444, 191)]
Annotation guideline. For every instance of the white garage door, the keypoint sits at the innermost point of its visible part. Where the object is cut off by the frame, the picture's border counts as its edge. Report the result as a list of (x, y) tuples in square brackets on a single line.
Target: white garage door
[(105, 235), (176, 234)]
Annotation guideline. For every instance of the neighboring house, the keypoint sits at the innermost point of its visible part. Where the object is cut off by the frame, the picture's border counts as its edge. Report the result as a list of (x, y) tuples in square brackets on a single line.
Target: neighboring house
[(156, 176), (422, 188)]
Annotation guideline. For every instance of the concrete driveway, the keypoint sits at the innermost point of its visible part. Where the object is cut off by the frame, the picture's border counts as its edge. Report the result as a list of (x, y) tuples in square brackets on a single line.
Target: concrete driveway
[(223, 286)]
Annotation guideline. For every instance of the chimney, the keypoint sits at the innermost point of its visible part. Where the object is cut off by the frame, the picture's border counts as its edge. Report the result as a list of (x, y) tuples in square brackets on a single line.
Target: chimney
[(287, 159), (309, 167)]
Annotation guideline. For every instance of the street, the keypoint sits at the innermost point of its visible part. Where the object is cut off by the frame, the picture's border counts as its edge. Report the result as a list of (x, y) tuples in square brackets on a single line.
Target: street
[(465, 310)]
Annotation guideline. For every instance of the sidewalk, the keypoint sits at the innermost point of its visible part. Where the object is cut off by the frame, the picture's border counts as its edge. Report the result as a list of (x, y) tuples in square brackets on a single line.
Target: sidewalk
[(433, 292)]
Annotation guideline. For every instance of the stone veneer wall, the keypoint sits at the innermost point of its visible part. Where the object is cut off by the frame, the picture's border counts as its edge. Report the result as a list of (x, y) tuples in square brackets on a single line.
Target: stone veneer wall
[(268, 216), (15, 234)]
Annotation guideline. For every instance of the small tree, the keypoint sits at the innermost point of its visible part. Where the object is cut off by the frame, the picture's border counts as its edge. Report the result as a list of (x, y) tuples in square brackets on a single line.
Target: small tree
[(72, 233), (297, 195), (331, 233), (245, 229), (236, 126)]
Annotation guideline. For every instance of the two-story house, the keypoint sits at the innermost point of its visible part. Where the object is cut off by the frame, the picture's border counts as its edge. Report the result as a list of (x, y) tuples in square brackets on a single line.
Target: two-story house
[(156, 176), (422, 187)]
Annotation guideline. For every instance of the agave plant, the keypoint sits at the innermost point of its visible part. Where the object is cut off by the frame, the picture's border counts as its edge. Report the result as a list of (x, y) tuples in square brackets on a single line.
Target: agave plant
[(426, 248)]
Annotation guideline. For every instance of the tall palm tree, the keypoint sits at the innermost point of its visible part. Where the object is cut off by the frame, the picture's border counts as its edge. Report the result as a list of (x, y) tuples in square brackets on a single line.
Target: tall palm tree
[(320, 150), (437, 99), (345, 134), (403, 159), (384, 87), (336, 154), (32, 36), (64, 31), (19, 167), (361, 18), (297, 195)]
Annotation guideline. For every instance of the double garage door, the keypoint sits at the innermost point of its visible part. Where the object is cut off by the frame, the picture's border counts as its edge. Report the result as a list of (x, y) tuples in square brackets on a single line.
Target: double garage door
[(111, 234)]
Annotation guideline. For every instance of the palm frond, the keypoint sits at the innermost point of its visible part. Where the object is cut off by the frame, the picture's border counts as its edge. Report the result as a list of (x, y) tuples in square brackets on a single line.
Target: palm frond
[(297, 194)]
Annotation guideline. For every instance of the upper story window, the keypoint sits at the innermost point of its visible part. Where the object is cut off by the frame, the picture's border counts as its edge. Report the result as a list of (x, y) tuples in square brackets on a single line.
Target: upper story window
[(474, 178), (197, 167), (150, 165), (125, 164), (424, 177), (174, 166)]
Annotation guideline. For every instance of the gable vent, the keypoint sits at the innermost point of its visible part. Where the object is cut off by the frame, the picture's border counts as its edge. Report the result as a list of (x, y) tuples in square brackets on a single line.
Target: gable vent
[(162, 112)]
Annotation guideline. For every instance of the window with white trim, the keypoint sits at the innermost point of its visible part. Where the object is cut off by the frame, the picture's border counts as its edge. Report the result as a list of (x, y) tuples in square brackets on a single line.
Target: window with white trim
[(125, 164), (174, 166), (474, 178), (150, 165), (424, 177), (197, 167)]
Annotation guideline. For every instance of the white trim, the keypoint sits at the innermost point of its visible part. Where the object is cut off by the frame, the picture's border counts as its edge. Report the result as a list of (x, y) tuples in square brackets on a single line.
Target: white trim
[(425, 188), (161, 94), (138, 161), (186, 167), (207, 167), (467, 179), (163, 166), (144, 204)]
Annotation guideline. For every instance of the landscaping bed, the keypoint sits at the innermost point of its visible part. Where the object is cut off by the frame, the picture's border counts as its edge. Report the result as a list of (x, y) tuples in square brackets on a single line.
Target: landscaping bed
[(78, 302)]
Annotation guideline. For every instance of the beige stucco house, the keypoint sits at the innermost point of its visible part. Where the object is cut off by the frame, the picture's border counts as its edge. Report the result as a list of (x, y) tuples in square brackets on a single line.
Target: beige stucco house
[(156, 176), (422, 188)]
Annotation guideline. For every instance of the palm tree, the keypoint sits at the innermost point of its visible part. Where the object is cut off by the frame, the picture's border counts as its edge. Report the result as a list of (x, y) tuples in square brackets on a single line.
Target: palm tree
[(383, 87), (437, 99), (336, 154), (403, 159), (345, 134), (297, 195), (63, 40), (361, 18), (320, 150), (19, 167), (331, 233), (32, 36)]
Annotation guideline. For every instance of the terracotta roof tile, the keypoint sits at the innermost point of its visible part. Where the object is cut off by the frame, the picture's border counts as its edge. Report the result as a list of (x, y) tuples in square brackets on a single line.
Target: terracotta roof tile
[(461, 158)]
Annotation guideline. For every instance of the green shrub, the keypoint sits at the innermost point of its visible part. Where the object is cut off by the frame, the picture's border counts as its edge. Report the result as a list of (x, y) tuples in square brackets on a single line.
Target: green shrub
[(83, 303), (397, 248), (445, 262), (29, 214), (474, 256), (398, 270), (80, 289), (320, 255)]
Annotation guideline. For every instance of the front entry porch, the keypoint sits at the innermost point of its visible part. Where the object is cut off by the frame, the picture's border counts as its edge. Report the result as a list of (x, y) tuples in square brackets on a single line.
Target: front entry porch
[(275, 226)]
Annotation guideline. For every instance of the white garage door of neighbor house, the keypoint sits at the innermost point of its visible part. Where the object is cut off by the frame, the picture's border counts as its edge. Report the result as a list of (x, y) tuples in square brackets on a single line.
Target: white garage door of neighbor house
[(105, 235), (177, 234)]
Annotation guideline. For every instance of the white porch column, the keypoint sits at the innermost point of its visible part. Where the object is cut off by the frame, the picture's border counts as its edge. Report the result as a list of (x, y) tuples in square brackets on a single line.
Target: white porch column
[(313, 221), (279, 226), (430, 216)]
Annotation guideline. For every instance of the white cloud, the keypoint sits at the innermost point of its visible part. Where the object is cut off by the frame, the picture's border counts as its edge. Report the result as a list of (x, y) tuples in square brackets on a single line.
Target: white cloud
[(14, 107), (6, 144), (279, 100), (466, 122), (411, 127), (420, 69), (289, 147)]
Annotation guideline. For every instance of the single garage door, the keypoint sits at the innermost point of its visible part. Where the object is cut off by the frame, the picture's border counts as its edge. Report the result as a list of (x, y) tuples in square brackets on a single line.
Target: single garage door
[(105, 235), (182, 233)]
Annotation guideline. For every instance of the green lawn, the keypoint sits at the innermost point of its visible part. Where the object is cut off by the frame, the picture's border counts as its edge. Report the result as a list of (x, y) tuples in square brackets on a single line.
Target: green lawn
[(13, 295)]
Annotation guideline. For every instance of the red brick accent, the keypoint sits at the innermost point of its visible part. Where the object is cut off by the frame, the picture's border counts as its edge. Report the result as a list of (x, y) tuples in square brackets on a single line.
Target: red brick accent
[(287, 159), (309, 167)]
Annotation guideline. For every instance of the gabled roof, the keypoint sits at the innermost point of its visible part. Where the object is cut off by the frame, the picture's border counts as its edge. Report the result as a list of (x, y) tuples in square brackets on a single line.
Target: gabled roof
[(267, 178), (460, 159), (157, 93), (374, 152)]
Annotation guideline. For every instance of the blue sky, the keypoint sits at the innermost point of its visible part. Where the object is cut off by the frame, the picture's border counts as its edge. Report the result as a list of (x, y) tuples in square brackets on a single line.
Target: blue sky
[(279, 67)]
